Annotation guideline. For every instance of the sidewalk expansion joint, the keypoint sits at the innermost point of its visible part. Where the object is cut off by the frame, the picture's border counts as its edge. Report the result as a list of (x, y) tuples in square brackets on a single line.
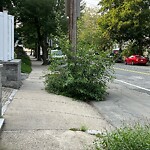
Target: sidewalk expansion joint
[(94, 117), (67, 113), (29, 130), (59, 102)]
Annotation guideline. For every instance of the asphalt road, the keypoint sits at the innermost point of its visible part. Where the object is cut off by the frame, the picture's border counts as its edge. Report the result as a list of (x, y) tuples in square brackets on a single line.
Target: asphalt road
[(128, 101), (136, 75)]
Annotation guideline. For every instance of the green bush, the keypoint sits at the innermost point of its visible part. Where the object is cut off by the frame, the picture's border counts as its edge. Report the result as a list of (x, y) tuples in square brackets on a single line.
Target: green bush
[(25, 60), (25, 68), (83, 76), (126, 138)]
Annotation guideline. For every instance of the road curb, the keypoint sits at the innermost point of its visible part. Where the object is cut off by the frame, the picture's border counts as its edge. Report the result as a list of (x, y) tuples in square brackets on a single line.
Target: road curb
[(10, 98), (4, 108), (1, 123)]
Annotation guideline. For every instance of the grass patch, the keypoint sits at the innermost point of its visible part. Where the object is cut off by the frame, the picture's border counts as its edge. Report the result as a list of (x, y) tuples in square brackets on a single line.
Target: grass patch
[(25, 68), (74, 129), (83, 128), (126, 138)]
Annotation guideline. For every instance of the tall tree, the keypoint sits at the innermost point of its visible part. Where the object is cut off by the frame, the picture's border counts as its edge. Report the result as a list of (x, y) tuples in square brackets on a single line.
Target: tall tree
[(126, 20), (5, 4), (41, 16), (39, 19), (89, 32)]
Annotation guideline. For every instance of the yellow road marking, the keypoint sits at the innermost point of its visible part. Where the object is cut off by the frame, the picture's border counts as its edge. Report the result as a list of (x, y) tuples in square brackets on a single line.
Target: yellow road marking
[(148, 74)]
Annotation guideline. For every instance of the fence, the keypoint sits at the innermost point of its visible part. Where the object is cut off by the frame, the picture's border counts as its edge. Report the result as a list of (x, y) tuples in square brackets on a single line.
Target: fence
[(6, 36)]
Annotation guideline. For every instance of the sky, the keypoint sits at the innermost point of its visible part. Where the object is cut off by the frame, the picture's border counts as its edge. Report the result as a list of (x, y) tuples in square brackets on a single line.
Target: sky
[(91, 3)]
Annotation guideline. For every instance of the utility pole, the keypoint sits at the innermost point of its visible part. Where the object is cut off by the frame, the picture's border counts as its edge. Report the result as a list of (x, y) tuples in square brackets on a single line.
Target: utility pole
[(73, 25), (73, 11)]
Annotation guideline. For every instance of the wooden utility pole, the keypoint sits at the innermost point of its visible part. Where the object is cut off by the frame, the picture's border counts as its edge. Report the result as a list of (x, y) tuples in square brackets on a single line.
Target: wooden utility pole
[(73, 11), (73, 24)]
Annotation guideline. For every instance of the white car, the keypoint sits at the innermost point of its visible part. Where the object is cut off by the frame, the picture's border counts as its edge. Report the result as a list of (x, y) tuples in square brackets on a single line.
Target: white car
[(57, 54)]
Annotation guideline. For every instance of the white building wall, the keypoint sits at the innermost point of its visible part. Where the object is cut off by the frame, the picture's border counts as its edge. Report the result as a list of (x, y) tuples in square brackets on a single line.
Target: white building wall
[(1, 35), (6, 36)]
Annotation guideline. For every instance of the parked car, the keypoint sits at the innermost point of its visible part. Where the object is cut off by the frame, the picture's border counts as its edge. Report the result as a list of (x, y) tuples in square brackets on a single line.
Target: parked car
[(136, 59), (57, 54)]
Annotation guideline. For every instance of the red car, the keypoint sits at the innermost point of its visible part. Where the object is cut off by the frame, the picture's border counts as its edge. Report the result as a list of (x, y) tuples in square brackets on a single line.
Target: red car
[(136, 59)]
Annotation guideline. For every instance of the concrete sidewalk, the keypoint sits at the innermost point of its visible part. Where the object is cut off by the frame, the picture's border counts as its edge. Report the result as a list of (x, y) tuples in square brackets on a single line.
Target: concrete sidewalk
[(37, 120)]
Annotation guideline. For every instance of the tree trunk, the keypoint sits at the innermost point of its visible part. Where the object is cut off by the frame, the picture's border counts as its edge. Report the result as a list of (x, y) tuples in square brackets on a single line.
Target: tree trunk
[(42, 41), (140, 47), (35, 50), (45, 51), (39, 40), (120, 46), (1, 9), (38, 51)]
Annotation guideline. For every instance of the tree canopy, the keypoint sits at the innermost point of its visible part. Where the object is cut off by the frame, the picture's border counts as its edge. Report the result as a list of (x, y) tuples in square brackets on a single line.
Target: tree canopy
[(37, 21), (126, 20), (89, 32)]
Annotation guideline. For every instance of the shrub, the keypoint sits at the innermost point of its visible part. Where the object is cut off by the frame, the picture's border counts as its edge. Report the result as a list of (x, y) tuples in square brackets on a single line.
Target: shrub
[(83, 76), (25, 68), (126, 138), (25, 60)]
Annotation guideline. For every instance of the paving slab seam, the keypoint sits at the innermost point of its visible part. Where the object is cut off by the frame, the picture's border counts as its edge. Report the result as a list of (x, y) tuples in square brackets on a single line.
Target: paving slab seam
[(76, 115), (66, 114), (51, 101), (29, 130), (64, 130)]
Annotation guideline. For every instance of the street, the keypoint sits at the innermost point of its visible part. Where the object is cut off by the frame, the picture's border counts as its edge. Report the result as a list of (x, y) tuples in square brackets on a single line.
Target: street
[(136, 75), (128, 100)]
